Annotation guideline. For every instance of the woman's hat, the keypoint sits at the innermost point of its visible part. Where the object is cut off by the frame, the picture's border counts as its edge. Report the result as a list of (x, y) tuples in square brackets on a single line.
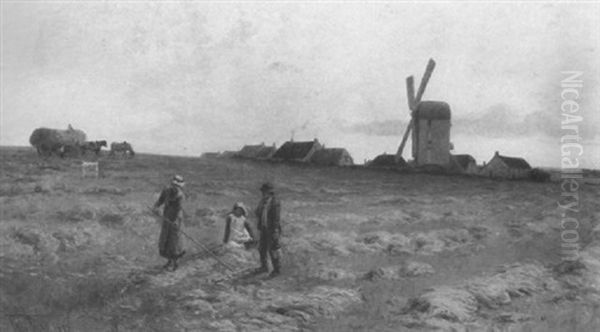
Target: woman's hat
[(178, 181), (241, 206)]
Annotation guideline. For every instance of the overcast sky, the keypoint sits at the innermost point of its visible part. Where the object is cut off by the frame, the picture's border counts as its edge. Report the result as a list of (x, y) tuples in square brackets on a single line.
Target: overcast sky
[(185, 78)]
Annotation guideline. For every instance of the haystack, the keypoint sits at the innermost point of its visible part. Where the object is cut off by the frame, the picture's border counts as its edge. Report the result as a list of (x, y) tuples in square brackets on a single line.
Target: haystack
[(47, 140)]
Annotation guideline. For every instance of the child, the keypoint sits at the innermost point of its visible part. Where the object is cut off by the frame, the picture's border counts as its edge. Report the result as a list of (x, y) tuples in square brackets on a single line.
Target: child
[(237, 228)]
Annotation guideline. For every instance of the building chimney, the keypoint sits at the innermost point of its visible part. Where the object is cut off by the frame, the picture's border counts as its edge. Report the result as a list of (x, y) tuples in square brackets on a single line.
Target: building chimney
[(497, 153)]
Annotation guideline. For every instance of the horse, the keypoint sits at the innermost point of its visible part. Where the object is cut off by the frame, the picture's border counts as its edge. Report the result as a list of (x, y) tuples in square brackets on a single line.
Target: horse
[(124, 148), (93, 146)]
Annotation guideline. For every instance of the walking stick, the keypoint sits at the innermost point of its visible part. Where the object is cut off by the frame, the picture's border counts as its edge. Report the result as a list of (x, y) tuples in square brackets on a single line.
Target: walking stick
[(196, 242)]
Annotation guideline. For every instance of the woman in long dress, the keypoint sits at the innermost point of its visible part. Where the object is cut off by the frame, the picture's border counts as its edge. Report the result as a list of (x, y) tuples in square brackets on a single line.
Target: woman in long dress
[(170, 242)]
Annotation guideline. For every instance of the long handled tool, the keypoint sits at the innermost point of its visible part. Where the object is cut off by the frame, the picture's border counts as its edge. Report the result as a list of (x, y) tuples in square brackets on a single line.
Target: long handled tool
[(203, 247)]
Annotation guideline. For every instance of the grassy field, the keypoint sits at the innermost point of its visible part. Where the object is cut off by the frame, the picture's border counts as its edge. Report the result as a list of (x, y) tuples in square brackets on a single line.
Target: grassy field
[(365, 250)]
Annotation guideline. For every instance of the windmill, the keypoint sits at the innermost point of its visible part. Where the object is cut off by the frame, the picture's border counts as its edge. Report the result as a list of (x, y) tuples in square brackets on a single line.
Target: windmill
[(413, 102)]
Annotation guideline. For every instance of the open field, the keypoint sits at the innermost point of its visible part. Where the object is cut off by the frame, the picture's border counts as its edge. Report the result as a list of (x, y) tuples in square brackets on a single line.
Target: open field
[(364, 250)]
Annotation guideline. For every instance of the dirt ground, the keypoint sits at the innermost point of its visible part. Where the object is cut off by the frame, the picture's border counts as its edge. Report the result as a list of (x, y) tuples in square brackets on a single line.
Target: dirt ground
[(364, 250)]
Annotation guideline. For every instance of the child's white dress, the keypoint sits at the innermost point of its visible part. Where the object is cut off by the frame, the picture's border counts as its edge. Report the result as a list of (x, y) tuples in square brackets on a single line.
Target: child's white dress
[(238, 234)]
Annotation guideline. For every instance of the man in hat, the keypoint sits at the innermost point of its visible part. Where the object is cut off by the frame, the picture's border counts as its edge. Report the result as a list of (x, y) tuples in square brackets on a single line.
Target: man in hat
[(170, 244), (269, 227)]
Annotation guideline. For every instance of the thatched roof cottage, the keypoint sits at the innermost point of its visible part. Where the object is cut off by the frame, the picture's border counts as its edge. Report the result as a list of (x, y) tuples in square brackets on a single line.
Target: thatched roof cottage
[(464, 163), (259, 151), (387, 160), (297, 151), (506, 167), (332, 157), (250, 151)]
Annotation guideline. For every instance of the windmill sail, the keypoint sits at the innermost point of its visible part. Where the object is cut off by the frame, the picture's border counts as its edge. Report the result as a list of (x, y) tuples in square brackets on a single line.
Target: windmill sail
[(414, 101), (425, 80), (410, 94)]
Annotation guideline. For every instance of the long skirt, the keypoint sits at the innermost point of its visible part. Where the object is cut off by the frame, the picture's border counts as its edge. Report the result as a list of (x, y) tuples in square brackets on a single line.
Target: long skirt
[(170, 242)]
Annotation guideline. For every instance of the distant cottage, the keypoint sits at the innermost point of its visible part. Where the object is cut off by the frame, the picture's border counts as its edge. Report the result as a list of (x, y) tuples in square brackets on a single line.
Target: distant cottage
[(297, 151), (228, 154), (249, 151), (387, 160), (266, 152), (464, 163), (332, 157), (506, 167), (260, 151)]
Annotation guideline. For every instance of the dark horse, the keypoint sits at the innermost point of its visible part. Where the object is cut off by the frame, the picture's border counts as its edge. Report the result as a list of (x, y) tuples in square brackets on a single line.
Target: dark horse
[(93, 146)]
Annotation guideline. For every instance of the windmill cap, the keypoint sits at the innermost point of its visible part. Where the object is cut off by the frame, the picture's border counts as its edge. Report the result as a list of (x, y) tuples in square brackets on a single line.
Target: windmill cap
[(434, 110)]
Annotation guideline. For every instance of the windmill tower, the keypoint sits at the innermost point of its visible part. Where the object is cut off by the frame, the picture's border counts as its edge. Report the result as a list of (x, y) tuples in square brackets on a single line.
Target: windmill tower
[(429, 123)]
